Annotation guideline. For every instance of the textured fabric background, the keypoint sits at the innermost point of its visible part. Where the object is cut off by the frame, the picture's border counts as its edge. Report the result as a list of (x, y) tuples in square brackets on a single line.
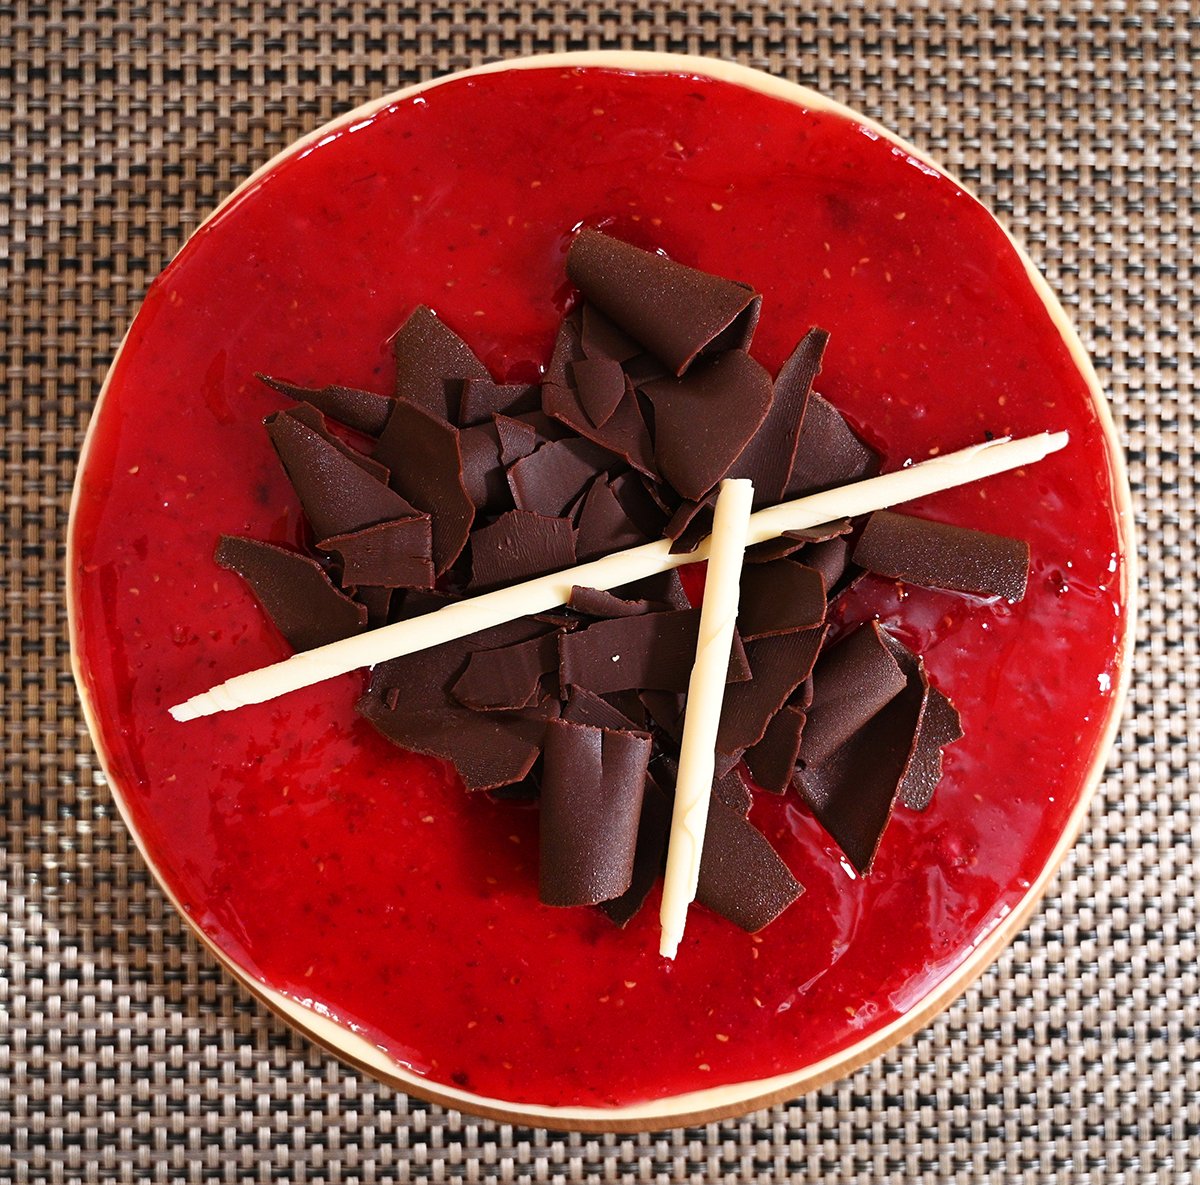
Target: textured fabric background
[(125, 1054)]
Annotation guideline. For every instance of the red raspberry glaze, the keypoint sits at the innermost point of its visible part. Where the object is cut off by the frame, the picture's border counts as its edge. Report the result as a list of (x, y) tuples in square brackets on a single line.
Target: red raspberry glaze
[(341, 871)]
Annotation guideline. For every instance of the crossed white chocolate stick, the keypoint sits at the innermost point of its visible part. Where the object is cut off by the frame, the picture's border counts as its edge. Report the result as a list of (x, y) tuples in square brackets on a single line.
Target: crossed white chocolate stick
[(734, 529)]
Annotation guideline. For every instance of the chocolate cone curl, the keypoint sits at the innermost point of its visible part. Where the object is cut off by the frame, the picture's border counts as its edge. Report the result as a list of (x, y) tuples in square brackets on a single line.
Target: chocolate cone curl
[(336, 493), (654, 825), (673, 310), (591, 804), (364, 411), (294, 592), (432, 362), (904, 547)]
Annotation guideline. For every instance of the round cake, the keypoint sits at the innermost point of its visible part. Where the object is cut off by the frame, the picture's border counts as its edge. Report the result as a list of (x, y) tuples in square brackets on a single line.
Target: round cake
[(356, 888)]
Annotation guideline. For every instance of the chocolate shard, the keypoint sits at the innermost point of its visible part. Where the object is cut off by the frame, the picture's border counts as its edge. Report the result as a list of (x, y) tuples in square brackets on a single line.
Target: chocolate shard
[(690, 524), (665, 709), (337, 495), (377, 601), (663, 588), (703, 421), (741, 876), (604, 526), (852, 682), (481, 399), (596, 602), (423, 453), (938, 726), (363, 411), (600, 385), (568, 348), (772, 762), (830, 557), (518, 546), (791, 542), (549, 480), (389, 555), (483, 469), (623, 434), (432, 363), (654, 828), (770, 455), (311, 417), (778, 665), (509, 677), (631, 492), (653, 651), (593, 783), (306, 607), (733, 792), (585, 707), (517, 439), (828, 453), (487, 749), (673, 310), (779, 598), (937, 555)]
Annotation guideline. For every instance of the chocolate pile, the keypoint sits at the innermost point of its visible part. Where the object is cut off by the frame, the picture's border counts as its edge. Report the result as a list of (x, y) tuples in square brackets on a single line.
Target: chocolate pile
[(457, 485)]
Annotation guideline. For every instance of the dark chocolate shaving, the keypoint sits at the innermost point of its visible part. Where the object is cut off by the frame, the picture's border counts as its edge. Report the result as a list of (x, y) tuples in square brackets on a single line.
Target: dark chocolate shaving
[(780, 598), (604, 527), (741, 876), (654, 651), (422, 451), (791, 542), (517, 439), (665, 709), (549, 480), (673, 310), (733, 792), (703, 421), (937, 555), (770, 456), (377, 601), (830, 557), (624, 432), (828, 453), (306, 607), (596, 602), (432, 363), (518, 546), (391, 555), (600, 386), (690, 524), (311, 417), (584, 707), (630, 489), (481, 399), (772, 762), (593, 784), (778, 666), (508, 677), (483, 471), (852, 682), (337, 495), (654, 828), (364, 411), (600, 338)]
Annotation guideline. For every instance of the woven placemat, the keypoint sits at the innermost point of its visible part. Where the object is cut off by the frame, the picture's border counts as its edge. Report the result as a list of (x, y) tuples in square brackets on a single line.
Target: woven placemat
[(127, 1055)]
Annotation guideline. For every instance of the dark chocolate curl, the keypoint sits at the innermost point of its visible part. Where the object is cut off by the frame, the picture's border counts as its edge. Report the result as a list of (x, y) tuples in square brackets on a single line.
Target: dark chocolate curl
[(703, 421), (600, 385), (592, 788), (772, 762), (483, 470), (604, 527), (780, 598), (518, 546), (432, 362), (362, 410), (584, 707), (741, 876), (549, 480), (337, 495), (828, 453), (673, 310), (481, 399), (508, 677), (654, 827), (311, 417), (423, 453), (517, 439), (391, 555), (852, 681), (915, 550), (597, 602), (294, 592), (791, 542), (830, 557), (769, 457), (624, 432)]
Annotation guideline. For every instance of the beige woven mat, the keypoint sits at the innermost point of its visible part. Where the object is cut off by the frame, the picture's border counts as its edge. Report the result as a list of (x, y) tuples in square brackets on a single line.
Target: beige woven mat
[(125, 1054)]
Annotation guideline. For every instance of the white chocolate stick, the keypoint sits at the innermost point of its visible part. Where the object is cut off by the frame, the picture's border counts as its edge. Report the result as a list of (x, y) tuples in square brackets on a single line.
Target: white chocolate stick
[(611, 571), (706, 693)]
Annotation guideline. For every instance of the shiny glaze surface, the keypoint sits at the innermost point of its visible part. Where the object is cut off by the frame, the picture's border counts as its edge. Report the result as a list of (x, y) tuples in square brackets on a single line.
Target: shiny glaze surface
[(362, 880)]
